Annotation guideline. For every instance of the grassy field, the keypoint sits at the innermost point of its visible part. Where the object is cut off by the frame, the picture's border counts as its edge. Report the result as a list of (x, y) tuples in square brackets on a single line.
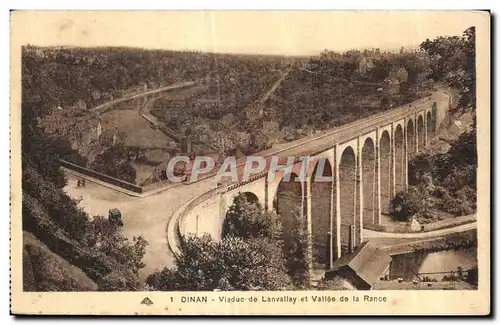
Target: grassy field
[(139, 132)]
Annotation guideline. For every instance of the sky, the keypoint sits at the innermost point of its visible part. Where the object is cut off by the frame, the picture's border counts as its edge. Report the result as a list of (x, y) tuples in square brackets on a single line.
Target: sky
[(262, 32)]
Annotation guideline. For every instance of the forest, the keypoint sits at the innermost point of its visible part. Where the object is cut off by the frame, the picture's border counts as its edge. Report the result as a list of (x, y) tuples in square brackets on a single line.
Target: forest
[(92, 76), (338, 88), (313, 93)]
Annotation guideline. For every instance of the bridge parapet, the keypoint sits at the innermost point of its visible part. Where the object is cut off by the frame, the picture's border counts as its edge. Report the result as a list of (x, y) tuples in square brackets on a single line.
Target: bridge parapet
[(175, 228)]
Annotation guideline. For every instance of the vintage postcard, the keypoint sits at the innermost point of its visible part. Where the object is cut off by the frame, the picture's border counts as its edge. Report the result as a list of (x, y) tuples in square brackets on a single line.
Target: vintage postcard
[(250, 162)]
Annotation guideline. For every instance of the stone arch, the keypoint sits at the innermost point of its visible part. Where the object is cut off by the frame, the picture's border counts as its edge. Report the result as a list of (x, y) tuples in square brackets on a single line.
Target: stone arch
[(410, 137), (240, 201), (289, 205), (369, 182), (348, 199), (249, 196), (399, 159), (420, 133), (385, 171), (321, 210)]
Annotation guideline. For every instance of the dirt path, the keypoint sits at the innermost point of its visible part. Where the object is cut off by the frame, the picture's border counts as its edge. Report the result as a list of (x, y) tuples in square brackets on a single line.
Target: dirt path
[(275, 86)]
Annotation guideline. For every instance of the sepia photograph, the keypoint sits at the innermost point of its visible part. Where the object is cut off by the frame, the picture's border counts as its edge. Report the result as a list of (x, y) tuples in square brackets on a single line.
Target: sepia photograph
[(250, 162)]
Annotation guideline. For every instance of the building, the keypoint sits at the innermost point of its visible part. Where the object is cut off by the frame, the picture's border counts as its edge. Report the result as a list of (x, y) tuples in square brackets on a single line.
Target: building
[(393, 86), (400, 74), (361, 268), (365, 65), (110, 138)]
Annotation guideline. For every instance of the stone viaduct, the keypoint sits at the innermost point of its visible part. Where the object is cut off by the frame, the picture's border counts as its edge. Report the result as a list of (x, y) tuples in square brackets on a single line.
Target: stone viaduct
[(367, 162)]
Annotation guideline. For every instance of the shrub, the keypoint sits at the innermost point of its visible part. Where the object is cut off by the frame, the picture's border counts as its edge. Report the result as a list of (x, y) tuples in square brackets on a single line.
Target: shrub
[(246, 219), (455, 206), (334, 284), (297, 252), (232, 264), (109, 240), (419, 166), (404, 206)]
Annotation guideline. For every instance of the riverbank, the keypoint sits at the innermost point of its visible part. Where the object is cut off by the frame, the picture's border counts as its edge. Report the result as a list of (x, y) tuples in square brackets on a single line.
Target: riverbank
[(456, 240), (428, 227), (395, 285)]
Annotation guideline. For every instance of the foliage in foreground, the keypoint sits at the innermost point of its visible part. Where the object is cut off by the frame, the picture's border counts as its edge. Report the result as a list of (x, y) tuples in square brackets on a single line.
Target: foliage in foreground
[(297, 258), (108, 238), (232, 264), (333, 284), (403, 206), (245, 219), (253, 254)]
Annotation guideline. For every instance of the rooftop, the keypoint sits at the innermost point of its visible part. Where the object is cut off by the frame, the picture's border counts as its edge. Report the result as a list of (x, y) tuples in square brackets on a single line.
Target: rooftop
[(367, 261)]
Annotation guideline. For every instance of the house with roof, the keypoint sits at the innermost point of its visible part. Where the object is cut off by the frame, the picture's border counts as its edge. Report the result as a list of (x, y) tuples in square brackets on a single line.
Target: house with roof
[(361, 268), (365, 65), (111, 138)]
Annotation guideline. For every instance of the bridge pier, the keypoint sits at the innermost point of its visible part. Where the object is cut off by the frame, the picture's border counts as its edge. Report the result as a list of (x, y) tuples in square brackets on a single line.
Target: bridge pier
[(425, 129), (378, 210), (333, 235), (307, 201), (359, 186), (338, 218), (393, 162), (405, 152), (415, 118), (223, 207)]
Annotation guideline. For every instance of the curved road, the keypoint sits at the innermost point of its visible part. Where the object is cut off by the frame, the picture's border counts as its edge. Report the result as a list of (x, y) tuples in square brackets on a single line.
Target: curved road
[(147, 216), (367, 233)]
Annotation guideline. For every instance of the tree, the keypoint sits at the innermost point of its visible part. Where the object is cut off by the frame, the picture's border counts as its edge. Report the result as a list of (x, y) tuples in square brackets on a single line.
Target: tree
[(404, 206), (463, 151), (231, 264), (453, 60), (107, 237), (418, 167), (296, 247), (333, 284), (115, 162), (246, 219)]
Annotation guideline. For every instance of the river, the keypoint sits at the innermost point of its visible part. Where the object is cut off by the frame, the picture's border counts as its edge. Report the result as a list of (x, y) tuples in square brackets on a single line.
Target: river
[(443, 263)]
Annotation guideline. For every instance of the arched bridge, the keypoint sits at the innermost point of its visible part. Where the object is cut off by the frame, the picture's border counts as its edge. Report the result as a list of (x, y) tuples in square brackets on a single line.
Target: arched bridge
[(367, 162)]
